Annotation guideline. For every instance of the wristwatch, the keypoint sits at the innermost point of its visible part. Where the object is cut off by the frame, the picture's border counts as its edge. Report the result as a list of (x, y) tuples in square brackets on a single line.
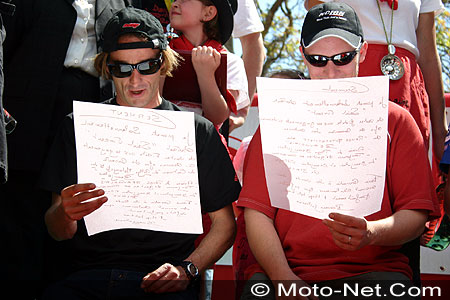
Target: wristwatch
[(190, 269)]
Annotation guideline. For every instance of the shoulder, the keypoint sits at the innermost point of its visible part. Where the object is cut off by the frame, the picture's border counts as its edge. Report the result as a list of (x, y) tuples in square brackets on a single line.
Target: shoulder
[(402, 124), (203, 127)]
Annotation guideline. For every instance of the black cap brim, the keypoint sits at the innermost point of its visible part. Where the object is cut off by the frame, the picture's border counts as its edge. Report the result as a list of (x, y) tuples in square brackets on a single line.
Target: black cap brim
[(226, 22)]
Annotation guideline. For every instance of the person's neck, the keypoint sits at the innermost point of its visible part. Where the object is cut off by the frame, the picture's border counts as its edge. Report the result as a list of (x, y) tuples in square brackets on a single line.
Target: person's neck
[(153, 104), (158, 101), (195, 39)]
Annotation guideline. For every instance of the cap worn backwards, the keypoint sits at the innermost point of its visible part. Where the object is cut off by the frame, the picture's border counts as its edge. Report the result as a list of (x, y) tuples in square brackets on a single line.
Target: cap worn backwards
[(332, 19), (133, 20)]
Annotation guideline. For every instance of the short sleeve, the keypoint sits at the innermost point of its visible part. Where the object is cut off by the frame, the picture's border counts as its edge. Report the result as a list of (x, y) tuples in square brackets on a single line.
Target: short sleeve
[(246, 19), (255, 194), (410, 181), (237, 80), (427, 6), (218, 182)]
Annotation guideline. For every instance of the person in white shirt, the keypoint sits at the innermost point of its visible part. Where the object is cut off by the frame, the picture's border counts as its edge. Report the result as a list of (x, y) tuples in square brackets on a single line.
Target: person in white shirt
[(248, 28)]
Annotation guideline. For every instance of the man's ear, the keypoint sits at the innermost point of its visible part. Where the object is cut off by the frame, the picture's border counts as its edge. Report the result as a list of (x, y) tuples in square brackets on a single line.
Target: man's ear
[(301, 52), (363, 52), (209, 12)]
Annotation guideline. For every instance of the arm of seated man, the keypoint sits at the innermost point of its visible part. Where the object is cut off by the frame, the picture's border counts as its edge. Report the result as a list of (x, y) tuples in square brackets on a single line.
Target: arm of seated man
[(353, 233), (169, 278), (267, 248)]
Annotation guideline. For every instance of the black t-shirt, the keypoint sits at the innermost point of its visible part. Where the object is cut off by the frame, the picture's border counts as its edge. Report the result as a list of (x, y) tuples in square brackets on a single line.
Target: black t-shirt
[(135, 249)]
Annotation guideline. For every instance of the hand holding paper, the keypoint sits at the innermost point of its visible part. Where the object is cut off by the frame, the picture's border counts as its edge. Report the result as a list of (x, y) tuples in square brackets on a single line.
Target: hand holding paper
[(79, 200), (324, 144), (350, 233), (145, 161)]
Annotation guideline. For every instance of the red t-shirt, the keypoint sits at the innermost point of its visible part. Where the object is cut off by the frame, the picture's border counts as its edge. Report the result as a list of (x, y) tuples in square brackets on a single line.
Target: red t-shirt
[(307, 242)]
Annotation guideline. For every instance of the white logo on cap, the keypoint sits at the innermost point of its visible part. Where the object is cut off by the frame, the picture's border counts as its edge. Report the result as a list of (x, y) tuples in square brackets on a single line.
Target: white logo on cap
[(336, 13), (331, 14)]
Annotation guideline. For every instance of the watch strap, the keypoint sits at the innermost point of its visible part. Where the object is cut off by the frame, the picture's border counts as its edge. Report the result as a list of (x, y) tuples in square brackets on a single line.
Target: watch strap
[(185, 265)]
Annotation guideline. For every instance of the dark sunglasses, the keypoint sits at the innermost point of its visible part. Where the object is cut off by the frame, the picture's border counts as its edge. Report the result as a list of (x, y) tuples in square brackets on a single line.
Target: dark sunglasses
[(340, 59), (147, 67)]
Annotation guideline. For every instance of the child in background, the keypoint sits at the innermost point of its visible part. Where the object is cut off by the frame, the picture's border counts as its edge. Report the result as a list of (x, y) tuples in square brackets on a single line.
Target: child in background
[(204, 27)]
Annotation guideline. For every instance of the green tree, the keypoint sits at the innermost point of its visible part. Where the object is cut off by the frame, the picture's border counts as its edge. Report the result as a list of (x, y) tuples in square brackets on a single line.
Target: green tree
[(283, 19), (443, 44)]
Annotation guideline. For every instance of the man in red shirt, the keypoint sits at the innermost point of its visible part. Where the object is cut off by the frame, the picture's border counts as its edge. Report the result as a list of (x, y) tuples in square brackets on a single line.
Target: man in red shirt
[(298, 249)]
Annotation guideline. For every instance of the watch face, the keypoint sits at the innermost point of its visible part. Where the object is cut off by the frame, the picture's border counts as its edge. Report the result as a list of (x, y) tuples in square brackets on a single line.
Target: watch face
[(192, 269)]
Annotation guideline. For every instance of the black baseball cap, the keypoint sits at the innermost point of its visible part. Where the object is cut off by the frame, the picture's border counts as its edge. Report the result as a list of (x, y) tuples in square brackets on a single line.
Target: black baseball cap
[(332, 19), (133, 20)]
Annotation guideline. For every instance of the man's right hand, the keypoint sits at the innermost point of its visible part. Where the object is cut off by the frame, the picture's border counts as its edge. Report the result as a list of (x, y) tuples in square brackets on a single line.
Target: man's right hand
[(75, 202)]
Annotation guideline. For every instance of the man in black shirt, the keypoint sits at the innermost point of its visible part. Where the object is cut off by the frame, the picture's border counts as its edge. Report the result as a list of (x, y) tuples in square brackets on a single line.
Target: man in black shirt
[(161, 265)]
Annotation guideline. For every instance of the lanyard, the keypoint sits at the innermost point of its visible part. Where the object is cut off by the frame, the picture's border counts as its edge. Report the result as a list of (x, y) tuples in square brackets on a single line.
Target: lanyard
[(391, 47)]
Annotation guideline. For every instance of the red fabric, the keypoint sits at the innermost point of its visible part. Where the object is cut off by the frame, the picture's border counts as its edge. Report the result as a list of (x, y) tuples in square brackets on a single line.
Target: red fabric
[(308, 244), (182, 43), (389, 2), (244, 263), (409, 91), (433, 225)]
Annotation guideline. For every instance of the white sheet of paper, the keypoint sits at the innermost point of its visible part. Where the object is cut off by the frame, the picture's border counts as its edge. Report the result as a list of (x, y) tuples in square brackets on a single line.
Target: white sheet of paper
[(146, 162), (324, 143)]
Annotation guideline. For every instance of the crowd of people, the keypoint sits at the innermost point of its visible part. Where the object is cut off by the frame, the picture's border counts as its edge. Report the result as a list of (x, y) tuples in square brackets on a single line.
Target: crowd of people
[(130, 53)]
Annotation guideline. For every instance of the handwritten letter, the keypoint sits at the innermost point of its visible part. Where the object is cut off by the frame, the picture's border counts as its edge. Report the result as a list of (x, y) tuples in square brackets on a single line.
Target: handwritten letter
[(324, 144), (146, 162)]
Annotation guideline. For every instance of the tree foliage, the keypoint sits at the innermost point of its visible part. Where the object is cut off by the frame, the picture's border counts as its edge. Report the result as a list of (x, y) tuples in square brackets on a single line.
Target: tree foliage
[(443, 44), (282, 21)]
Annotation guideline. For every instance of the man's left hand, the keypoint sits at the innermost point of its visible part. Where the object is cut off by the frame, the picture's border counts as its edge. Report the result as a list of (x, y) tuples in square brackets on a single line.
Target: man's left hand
[(349, 233), (165, 279)]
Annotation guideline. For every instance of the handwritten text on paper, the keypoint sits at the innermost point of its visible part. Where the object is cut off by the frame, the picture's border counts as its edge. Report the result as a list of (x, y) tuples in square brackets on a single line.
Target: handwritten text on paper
[(146, 162), (324, 144)]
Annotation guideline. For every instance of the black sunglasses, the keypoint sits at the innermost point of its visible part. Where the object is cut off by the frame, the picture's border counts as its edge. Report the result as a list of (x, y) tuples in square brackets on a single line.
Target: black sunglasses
[(147, 67), (340, 59)]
